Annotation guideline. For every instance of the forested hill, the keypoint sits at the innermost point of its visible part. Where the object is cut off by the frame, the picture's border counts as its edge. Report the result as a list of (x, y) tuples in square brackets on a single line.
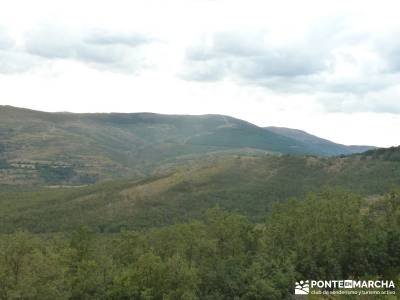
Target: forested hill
[(386, 154), (248, 184), (65, 148)]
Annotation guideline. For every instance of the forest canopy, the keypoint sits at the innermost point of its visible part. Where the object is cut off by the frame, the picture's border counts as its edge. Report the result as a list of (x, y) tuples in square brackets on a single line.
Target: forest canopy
[(332, 234)]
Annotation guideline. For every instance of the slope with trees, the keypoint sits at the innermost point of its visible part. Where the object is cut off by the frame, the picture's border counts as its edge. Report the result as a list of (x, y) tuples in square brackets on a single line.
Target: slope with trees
[(331, 234)]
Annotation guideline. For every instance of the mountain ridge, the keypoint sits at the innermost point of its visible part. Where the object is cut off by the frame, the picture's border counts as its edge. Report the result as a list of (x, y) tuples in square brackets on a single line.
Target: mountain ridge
[(69, 148), (331, 148)]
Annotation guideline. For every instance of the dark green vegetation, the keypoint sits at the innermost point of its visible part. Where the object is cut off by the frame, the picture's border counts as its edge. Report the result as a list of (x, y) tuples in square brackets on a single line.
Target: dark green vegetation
[(245, 184), (74, 149), (332, 234), (386, 154)]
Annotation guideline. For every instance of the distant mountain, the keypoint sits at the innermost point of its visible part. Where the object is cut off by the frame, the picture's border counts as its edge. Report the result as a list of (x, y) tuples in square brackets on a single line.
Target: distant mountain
[(66, 148), (317, 144)]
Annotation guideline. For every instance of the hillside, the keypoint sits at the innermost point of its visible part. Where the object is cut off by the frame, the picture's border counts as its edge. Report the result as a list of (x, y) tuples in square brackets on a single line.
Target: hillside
[(248, 184), (316, 144), (65, 148)]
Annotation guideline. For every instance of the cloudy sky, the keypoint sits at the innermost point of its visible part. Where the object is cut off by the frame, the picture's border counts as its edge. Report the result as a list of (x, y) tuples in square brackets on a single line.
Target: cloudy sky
[(331, 68)]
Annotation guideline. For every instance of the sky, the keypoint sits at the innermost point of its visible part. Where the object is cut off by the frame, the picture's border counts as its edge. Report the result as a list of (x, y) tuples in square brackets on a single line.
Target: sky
[(331, 68)]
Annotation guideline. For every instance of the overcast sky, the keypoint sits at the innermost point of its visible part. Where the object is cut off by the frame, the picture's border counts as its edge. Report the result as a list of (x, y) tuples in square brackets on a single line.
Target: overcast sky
[(331, 68)]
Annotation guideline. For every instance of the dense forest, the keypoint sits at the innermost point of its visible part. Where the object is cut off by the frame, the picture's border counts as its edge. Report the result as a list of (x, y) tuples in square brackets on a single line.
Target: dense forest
[(222, 255), (245, 184)]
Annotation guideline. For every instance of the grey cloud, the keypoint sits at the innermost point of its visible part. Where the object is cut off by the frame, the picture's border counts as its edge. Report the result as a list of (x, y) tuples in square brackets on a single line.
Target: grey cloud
[(52, 42), (6, 42), (394, 60), (359, 86), (15, 61), (101, 37), (57, 44), (306, 66), (103, 49), (239, 44), (199, 53), (385, 101), (12, 59), (205, 71), (250, 56), (283, 63), (316, 83), (347, 71), (389, 49)]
